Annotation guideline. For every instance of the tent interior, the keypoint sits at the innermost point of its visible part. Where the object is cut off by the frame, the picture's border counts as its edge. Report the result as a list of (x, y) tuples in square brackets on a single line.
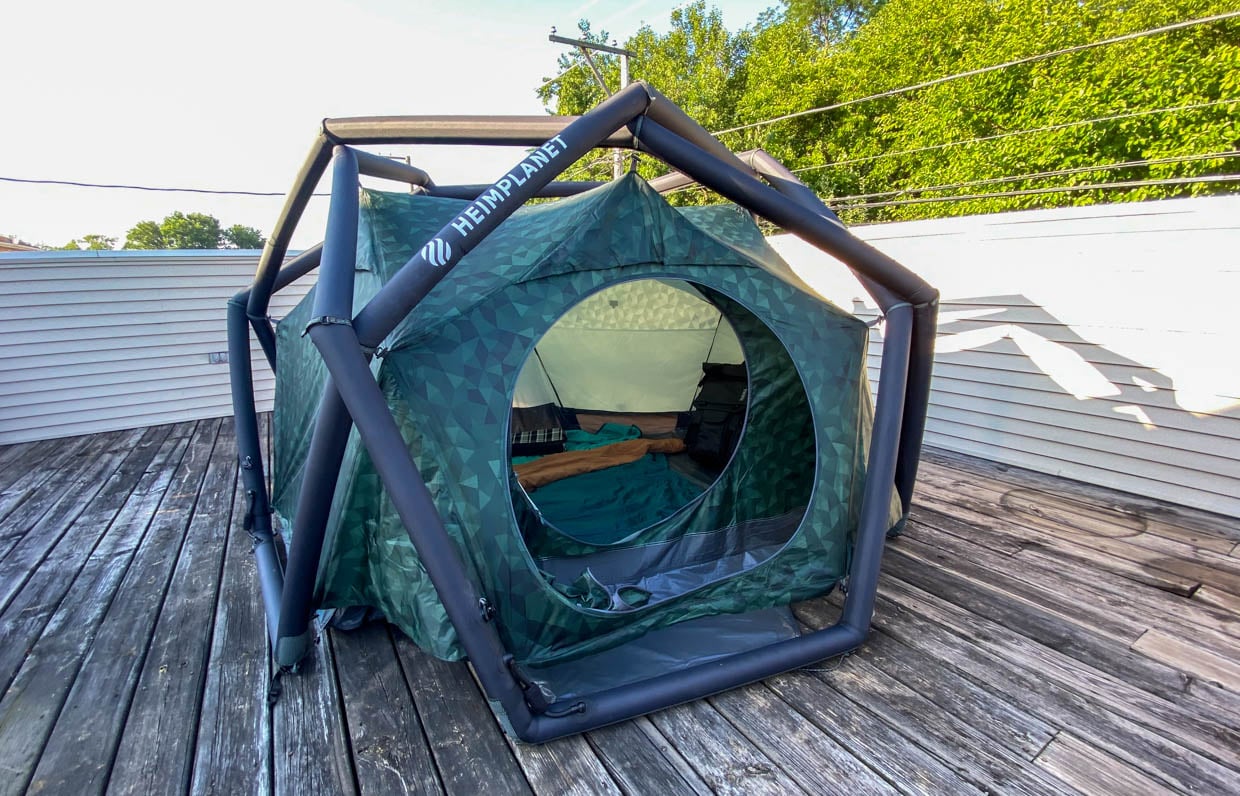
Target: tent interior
[(627, 363), (626, 416)]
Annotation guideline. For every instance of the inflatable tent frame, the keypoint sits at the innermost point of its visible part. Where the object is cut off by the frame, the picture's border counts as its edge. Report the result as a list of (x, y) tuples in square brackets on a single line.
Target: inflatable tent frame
[(637, 118)]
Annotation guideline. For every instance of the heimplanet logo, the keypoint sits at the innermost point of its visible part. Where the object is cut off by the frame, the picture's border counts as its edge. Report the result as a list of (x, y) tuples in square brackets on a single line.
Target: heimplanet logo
[(437, 252), (497, 194)]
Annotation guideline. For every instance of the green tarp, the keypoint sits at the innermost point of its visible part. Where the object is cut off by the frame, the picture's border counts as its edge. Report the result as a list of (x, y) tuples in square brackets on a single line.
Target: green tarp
[(774, 528)]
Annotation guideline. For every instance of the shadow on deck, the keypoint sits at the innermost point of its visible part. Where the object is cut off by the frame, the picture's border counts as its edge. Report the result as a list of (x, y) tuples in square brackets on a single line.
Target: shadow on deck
[(1033, 635)]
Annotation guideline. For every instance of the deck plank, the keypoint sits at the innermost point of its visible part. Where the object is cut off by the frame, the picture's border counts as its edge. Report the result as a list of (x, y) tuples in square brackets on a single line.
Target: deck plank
[(1097, 589), (468, 746), (1189, 657), (984, 568), (913, 618), (78, 754), (233, 740), (1126, 502), (38, 523), (564, 766), (814, 760), (1001, 721), (15, 455), (901, 761), (1033, 635), (1091, 770), (1107, 554), (1151, 550), (641, 760), (33, 599), (970, 749), (33, 700), (23, 475), (310, 742), (722, 756), (153, 757), (1099, 515), (388, 742), (1146, 689)]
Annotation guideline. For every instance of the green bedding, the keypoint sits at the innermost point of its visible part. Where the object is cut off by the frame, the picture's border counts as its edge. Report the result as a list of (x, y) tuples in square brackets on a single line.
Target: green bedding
[(607, 505), (578, 440)]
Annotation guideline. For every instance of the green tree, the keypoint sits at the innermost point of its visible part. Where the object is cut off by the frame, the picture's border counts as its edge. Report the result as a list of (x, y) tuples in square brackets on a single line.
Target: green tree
[(90, 243), (831, 20), (144, 235), (239, 236), (698, 64), (1172, 98), (191, 231), (1032, 118)]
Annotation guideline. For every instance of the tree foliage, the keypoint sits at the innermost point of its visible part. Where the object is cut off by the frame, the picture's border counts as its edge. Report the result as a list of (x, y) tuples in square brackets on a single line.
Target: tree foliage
[(90, 243), (698, 63), (239, 236), (991, 134), (191, 231)]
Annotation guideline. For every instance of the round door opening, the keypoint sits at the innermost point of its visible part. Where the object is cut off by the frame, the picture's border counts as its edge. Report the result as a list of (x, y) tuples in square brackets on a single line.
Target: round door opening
[(628, 409)]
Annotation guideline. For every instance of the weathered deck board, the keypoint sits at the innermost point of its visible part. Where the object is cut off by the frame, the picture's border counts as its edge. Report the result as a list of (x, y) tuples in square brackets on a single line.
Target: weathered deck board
[(78, 754), (389, 746), (154, 757), (467, 744), (33, 699), (1033, 635), (233, 740), (641, 760)]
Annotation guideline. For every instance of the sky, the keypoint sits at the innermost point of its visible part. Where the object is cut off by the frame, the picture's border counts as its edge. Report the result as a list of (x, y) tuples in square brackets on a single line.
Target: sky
[(229, 94)]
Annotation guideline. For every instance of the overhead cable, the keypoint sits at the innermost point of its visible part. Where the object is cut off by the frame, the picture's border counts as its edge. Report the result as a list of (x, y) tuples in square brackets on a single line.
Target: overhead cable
[(1011, 133), (983, 70), (1232, 153), (1097, 186)]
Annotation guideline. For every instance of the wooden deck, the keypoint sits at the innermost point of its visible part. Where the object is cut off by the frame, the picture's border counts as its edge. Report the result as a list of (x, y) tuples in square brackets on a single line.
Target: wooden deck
[(1032, 636)]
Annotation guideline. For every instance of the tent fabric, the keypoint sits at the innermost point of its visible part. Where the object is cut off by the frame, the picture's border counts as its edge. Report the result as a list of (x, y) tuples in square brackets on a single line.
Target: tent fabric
[(775, 527), (625, 348)]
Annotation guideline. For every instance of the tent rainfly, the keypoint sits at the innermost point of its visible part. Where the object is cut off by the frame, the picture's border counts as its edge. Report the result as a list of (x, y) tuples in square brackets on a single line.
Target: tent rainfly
[(602, 443)]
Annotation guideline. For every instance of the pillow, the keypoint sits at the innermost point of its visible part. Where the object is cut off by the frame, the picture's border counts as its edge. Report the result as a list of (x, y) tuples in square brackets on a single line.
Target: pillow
[(536, 430)]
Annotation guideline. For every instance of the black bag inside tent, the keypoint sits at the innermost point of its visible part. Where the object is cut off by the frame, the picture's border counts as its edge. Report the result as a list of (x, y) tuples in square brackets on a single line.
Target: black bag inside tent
[(718, 413)]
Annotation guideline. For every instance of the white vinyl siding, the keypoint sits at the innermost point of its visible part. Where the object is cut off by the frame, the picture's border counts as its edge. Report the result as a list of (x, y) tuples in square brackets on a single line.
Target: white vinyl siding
[(98, 341), (1097, 343)]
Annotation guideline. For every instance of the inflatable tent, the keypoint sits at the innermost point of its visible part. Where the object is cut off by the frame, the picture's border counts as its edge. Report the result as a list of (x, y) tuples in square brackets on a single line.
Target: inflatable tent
[(596, 445)]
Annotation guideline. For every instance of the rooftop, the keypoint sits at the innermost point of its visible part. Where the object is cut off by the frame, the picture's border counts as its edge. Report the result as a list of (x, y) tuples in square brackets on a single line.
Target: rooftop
[(1033, 635)]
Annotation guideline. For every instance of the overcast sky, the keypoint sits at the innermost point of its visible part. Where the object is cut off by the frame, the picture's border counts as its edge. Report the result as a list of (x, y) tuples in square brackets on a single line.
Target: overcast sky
[(228, 94)]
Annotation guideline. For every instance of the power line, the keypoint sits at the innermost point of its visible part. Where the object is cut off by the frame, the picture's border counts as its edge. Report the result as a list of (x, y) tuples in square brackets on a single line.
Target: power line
[(1043, 174), (983, 70), (149, 188), (1011, 133), (1097, 186)]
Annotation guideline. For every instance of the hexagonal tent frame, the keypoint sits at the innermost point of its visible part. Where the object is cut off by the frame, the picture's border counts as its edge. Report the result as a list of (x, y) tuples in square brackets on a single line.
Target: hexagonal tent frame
[(636, 118)]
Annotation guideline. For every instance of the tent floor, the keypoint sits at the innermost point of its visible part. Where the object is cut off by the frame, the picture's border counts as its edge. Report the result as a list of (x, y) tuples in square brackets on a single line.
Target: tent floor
[(1033, 635)]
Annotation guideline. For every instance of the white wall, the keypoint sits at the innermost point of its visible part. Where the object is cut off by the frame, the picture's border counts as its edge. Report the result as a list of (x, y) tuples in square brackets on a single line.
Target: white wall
[(1099, 343), (97, 341)]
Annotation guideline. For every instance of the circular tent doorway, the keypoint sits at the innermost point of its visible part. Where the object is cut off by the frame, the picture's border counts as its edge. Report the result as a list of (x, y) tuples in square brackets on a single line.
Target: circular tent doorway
[(661, 441)]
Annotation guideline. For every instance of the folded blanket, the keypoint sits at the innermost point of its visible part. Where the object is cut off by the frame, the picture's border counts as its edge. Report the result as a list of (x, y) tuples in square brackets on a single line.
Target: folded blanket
[(556, 466)]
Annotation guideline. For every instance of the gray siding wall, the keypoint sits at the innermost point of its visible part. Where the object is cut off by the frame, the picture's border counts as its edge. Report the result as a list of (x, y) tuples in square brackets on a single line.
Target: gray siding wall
[(98, 341), (1097, 343)]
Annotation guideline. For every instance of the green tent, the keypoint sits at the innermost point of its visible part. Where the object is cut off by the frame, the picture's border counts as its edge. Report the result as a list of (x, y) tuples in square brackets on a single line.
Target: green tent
[(541, 312)]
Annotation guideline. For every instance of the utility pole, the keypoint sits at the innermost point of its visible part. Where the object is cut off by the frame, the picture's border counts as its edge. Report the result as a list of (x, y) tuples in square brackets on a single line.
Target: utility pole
[(585, 47)]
